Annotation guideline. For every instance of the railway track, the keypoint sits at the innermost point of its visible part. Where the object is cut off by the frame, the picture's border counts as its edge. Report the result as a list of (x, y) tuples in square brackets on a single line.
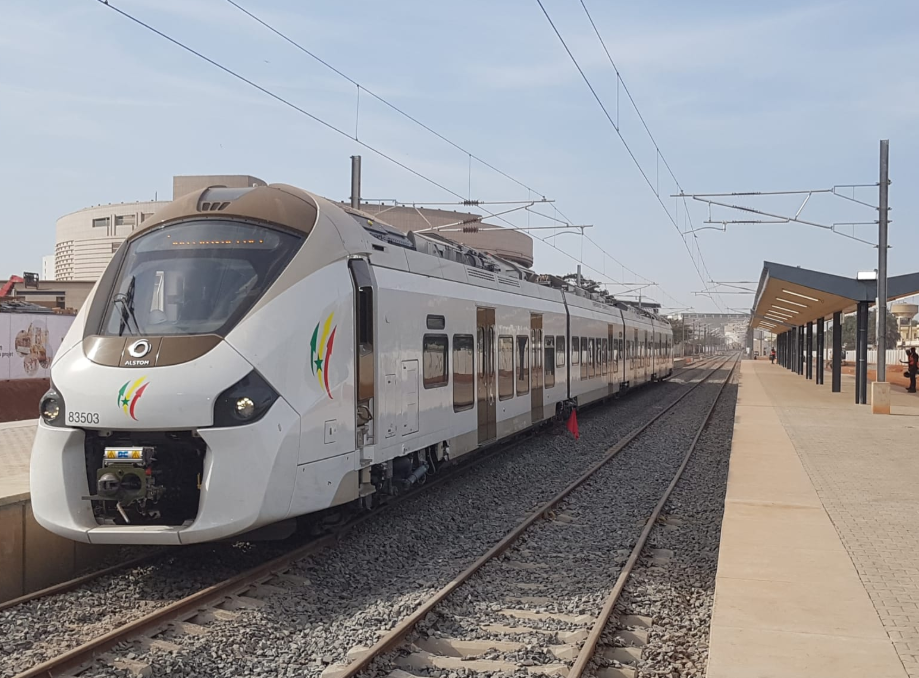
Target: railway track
[(225, 600), (541, 641)]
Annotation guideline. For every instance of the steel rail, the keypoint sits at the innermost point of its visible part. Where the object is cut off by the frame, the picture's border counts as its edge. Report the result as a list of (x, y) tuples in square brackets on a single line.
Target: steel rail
[(392, 639), (586, 654), (78, 658)]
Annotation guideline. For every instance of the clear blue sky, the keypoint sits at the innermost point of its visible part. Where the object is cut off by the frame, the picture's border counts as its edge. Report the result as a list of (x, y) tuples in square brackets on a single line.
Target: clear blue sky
[(761, 96)]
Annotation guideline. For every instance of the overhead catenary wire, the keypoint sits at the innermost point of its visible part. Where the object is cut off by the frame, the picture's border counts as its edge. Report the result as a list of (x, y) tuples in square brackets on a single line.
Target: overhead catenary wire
[(618, 131), (342, 132), (408, 116), (382, 100)]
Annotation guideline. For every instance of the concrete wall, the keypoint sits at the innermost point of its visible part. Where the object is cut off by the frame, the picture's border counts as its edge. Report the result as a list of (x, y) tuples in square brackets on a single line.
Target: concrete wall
[(31, 558)]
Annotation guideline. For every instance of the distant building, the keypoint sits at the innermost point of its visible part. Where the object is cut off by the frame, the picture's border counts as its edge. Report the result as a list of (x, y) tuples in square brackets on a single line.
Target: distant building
[(69, 295), (732, 326), (86, 240), (47, 267)]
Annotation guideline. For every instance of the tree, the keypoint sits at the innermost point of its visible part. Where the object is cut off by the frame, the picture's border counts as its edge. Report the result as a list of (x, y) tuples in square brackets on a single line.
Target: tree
[(849, 327), (681, 330)]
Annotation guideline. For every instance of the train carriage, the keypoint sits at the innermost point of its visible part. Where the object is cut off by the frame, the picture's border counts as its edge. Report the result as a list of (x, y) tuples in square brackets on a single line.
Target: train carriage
[(254, 355)]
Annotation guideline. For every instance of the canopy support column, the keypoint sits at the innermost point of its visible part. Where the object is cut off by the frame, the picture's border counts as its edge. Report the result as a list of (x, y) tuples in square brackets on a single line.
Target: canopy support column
[(801, 350), (837, 353), (809, 351), (861, 354), (820, 349)]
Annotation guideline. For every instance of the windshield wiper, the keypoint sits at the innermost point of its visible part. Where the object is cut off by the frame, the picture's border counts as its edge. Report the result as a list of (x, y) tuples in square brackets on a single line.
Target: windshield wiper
[(126, 302)]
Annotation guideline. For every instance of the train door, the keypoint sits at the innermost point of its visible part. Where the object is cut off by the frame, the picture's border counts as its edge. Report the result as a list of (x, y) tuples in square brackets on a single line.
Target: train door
[(536, 369), (409, 396), (486, 393)]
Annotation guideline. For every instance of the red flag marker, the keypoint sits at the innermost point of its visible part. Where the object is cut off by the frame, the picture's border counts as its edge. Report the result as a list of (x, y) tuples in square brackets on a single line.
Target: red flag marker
[(573, 424)]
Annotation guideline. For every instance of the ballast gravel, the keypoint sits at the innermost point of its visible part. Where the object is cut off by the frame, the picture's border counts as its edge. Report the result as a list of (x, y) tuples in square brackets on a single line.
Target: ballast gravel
[(678, 596), (584, 547), (358, 590)]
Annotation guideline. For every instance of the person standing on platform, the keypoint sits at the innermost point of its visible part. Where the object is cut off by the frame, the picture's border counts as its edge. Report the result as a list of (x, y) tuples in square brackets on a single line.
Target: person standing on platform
[(772, 356), (912, 363)]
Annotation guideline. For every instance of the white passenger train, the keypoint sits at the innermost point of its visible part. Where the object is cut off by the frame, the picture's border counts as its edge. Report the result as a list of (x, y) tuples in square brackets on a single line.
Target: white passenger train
[(253, 355)]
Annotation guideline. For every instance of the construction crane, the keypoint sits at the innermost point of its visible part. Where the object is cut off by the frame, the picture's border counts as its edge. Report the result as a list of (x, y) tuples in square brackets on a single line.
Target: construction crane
[(5, 290)]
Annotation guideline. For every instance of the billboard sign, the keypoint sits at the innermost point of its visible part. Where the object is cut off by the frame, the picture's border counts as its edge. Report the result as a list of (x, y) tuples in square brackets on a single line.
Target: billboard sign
[(29, 342)]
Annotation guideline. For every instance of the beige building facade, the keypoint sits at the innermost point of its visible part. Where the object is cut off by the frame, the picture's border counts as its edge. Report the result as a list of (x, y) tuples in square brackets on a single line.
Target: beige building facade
[(86, 240)]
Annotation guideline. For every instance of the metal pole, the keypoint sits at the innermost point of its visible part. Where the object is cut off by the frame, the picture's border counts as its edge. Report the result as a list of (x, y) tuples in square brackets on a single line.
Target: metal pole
[(882, 263), (356, 182), (837, 352)]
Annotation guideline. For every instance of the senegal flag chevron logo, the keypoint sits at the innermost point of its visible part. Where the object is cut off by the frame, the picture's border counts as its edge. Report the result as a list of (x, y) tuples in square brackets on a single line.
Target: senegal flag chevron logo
[(321, 351), (130, 393)]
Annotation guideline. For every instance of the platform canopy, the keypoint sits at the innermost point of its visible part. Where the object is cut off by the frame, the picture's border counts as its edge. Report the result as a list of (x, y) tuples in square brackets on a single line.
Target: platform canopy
[(790, 296)]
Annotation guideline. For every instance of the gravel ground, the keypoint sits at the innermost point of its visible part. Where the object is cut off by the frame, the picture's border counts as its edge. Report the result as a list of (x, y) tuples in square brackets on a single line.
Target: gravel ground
[(584, 546), (679, 596), (376, 575)]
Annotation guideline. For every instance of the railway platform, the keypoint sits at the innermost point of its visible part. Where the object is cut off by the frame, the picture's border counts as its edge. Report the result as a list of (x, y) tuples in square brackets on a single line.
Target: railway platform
[(818, 571), (31, 558)]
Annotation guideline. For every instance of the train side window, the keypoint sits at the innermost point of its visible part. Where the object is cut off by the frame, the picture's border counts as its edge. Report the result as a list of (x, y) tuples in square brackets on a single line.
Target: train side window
[(560, 350), (434, 358), (585, 359), (463, 372), (597, 346), (436, 322), (591, 359), (505, 368), (603, 356), (523, 365), (363, 282), (549, 362), (575, 351)]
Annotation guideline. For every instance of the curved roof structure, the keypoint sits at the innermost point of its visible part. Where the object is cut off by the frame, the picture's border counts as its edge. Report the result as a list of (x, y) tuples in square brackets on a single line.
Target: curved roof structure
[(790, 296)]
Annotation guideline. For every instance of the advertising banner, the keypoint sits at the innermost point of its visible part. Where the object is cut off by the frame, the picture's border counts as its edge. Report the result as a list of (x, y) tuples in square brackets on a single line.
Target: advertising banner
[(6, 347), (29, 342)]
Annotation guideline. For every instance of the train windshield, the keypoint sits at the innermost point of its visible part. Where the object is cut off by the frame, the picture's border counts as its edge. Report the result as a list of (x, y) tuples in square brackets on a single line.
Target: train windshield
[(197, 277)]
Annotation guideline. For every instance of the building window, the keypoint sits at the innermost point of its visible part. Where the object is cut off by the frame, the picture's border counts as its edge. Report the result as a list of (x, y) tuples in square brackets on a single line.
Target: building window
[(550, 361), (434, 356), (463, 372), (560, 350), (575, 351), (505, 368), (523, 365), (101, 223), (124, 219)]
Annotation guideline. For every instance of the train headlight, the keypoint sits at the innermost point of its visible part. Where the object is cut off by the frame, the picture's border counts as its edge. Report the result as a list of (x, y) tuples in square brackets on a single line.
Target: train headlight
[(244, 402), (52, 408), (245, 408)]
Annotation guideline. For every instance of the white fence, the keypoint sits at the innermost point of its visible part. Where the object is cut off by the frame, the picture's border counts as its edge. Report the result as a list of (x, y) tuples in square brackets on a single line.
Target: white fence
[(894, 356), (29, 342)]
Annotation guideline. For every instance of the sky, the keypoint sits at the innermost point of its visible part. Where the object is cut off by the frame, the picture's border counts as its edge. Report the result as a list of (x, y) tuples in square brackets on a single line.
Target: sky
[(738, 97)]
